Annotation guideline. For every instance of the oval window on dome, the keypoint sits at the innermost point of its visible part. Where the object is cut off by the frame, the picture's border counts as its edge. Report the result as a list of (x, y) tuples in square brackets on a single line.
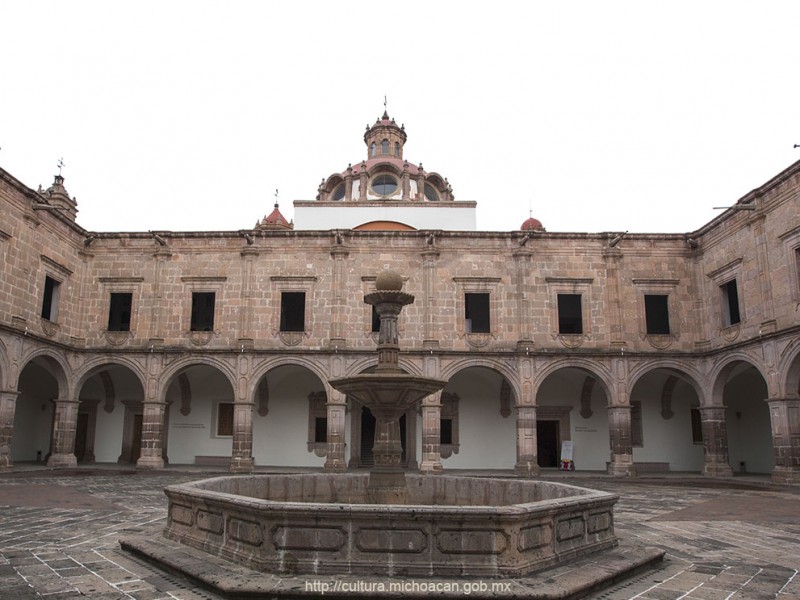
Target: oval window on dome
[(430, 193), (384, 185), (338, 192)]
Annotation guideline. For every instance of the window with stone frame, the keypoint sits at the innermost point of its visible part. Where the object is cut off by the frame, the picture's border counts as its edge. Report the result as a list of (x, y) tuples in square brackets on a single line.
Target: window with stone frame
[(476, 312), (50, 297), (119, 311), (293, 311), (637, 437), (570, 314), (224, 419), (202, 318), (656, 314), (731, 313)]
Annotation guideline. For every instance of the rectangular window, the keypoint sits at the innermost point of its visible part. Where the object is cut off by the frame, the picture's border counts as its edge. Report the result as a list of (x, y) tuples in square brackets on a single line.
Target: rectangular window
[(119, 311), (225, 419), (570, 319), (656, 312), (293, 311), (321, 430), (637, 438), (202, 311), (697, 426), (476, 312), (446, 431), (50, 298), (730, 303)]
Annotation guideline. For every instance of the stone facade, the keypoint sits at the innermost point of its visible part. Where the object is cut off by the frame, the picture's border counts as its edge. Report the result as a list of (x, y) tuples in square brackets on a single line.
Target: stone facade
[(287, 314)]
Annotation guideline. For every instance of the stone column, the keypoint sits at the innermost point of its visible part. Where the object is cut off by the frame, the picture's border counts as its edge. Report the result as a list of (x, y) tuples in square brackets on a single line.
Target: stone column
[(151, 456), (429, 257), (242, 452), (522, 262), (348, 184), (527, 465), (362, 183), (715, 442), (248, 254), (431, 434), (62, 445), (336, 409), (355, 435), (784, 413), (619, 426), (8, 403)]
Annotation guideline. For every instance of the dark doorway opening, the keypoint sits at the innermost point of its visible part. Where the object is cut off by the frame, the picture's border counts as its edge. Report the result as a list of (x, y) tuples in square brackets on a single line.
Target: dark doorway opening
[(81, 431), (547, 443), (368, 438), (136, 440)]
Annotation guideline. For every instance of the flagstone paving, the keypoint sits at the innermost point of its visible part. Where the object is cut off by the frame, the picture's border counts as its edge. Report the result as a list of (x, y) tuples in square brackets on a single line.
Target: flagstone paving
[(732, 539)]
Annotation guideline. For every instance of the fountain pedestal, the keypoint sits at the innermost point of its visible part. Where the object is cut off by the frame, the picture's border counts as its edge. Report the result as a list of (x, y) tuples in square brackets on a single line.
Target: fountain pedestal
[(388, 393)]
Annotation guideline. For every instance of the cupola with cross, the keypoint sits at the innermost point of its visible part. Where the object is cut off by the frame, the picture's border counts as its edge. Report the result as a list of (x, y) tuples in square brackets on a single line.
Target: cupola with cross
[(385, 191)]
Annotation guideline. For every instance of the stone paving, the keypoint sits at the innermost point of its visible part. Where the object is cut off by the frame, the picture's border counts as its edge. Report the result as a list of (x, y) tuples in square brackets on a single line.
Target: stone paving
[(737, 539)]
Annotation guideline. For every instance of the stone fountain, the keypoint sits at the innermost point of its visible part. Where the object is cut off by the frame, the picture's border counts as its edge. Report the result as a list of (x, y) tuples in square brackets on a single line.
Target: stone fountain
[(388, 392), (285, 528)]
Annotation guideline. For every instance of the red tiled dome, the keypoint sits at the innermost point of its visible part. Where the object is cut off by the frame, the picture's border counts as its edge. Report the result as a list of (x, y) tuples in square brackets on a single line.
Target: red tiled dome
[(532, 224)]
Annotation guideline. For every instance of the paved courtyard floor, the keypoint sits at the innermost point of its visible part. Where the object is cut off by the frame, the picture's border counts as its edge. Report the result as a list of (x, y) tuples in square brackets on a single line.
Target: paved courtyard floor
[(734, 539)]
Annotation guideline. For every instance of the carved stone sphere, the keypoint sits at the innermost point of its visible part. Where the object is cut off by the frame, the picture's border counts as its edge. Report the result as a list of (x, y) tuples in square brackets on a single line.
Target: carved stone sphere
[(388, 281)]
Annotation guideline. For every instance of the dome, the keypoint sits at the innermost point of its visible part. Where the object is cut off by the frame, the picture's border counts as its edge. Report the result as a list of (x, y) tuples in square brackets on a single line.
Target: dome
[(532, 224)]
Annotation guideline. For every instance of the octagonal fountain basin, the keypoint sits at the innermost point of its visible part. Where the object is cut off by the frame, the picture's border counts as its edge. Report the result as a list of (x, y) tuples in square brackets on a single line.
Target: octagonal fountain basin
[(452, 526)]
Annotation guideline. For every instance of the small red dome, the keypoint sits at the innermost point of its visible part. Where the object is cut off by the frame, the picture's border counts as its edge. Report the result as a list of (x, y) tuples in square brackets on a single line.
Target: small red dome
[(532, 224)]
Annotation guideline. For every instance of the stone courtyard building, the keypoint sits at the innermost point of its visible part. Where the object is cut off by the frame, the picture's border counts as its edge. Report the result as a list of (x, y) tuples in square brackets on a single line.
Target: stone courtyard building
[(647, 352)]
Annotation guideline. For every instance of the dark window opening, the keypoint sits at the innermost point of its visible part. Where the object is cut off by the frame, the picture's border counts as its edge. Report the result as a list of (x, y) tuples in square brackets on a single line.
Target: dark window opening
[(446, 431), (202, 311), (50, 298), (730, 303), (570, 319), (376, 320), (637, 439), (397, 148), (119, 311), (293, 311), (385, 147), (697, 426), (225, 418), (321, 430), (476, 313), (656, 312)]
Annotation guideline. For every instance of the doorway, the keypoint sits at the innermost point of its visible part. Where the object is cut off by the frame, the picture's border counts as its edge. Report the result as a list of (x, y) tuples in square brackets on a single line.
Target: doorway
[(547, 443)]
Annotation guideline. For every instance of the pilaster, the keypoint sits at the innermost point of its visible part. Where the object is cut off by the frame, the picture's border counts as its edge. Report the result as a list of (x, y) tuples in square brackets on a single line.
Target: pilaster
[(784, 414), (336, 410), (619, 429), (8, 403), (62, 444), (431, 434), (152, 435), (242, 460), (527, 464), (715, 442)]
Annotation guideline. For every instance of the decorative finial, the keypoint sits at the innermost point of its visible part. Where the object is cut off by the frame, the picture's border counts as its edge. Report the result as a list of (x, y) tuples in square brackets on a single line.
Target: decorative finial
[(276, 197), (385, 110), (60, 165)]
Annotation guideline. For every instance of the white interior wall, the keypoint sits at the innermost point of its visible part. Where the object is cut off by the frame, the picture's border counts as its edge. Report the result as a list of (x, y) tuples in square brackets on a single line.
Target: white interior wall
[(33, 414), (748, 424)]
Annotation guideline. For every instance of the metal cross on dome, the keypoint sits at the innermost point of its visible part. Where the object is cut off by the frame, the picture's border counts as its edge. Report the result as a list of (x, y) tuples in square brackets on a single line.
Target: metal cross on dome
[(60, 165)]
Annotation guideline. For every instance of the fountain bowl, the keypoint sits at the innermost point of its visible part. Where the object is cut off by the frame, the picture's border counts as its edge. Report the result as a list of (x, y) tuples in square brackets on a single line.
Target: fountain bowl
[(452, 525)]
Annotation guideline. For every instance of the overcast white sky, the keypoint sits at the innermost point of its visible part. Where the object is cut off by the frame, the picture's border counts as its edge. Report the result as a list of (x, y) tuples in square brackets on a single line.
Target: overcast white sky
[(597, 116)]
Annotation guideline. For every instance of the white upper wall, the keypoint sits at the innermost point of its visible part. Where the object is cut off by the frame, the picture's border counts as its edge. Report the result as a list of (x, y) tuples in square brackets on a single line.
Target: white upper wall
[(452, 216)]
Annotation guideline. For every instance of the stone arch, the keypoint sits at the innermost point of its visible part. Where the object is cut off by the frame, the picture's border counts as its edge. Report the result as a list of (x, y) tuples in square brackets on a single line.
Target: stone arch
[(382, 166), (173, 370), (681, 370), (269, 364), (94, 365), (664, 417), (789, 370), (500, 367), (55, 363), (726, 368), (478, 423), (741, 389), (290, 412), (599, 371), (106, 430)]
